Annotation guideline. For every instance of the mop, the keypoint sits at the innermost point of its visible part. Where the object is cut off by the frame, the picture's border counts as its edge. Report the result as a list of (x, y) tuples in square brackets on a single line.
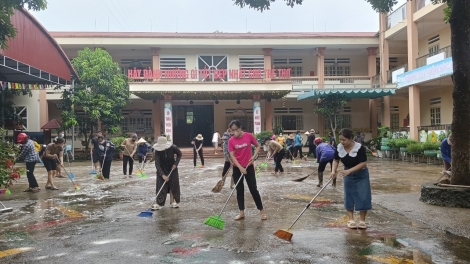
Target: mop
[(92, 171), (149, 212), (286, 234)]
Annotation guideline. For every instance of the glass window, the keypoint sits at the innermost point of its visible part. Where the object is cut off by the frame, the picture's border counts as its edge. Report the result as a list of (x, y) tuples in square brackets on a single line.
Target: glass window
[(435, 116), (189, 117), (212, 63), (395, 118)]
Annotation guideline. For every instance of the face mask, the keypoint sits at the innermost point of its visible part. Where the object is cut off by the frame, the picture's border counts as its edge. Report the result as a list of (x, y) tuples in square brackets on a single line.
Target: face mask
[(237, 134), (62, 135)]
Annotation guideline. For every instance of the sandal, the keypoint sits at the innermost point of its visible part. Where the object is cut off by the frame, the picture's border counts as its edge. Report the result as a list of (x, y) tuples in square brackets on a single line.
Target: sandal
[(48, 187), (352, 224), (264, 217), (239, 217), (362, 225), (53, 188), (59, 176), (28, 190)]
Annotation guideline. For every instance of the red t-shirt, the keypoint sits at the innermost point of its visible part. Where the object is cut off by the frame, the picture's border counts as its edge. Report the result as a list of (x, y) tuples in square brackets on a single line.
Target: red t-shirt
[(242, 147)]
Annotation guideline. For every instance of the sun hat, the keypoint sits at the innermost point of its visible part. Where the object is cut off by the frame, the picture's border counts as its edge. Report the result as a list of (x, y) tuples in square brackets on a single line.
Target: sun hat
[(307, 133), (141, 140), (162, 144), (199, 137), (291, 136)]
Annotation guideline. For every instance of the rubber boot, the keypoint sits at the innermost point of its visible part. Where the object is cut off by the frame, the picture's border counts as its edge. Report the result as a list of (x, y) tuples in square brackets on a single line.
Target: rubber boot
[(320, 179), (334, 183)]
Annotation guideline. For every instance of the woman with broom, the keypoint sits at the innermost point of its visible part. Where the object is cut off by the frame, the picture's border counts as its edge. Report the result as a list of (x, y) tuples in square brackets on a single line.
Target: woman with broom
[(105, 153), (325, 154), (239, 147), (276, 151), (357, 192), (166, 163)]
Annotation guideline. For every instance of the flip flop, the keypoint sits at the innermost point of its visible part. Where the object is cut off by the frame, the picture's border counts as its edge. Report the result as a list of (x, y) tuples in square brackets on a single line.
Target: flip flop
[(28, 190)]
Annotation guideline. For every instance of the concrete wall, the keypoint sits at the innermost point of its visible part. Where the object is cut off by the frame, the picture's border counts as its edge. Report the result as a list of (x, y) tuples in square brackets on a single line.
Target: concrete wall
[(33, 109)]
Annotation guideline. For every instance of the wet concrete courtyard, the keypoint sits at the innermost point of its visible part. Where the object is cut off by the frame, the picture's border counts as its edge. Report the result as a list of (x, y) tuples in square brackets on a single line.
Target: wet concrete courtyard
[(99, 223)]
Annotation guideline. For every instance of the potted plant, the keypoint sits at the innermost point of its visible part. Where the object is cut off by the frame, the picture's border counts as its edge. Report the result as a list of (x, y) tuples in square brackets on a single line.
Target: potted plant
[(392, 144), (402, 143), (117, 141), (8, 172), (430, 148), (263, 135), (414, 148)]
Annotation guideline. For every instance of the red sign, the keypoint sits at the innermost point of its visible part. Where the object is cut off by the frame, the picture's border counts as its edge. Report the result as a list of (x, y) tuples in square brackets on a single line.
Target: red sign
[(218, 74)]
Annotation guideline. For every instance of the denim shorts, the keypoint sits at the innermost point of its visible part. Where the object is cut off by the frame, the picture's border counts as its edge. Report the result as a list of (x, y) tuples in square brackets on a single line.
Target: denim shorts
[(357, 192)]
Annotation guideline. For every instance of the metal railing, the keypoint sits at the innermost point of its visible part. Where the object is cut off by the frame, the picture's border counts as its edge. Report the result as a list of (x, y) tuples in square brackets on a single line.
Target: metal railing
[(346, 79), (435, 127), (390, 72), (396, 16), (422, 61), (422, 3)]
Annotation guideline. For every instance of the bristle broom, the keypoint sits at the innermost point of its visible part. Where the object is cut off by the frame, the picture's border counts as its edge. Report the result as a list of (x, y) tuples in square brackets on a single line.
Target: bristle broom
[(215, 221), (285, 234)]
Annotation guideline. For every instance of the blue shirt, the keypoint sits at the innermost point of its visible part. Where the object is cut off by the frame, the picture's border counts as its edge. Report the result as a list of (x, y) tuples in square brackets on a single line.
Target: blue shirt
[(298, 140), (142, 150), (325, 152), (446, 150), (28, 152)]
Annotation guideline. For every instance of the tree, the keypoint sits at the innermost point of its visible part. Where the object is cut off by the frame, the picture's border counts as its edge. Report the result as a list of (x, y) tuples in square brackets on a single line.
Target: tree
[(7, 9), (102, 93), (457, 14), (329, 107)]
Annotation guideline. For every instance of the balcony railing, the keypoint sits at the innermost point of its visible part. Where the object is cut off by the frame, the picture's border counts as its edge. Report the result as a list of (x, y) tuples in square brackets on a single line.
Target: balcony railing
[(336, 82), (396, 16), (422, 3), (390, 72), (443, 53), (299, 80)]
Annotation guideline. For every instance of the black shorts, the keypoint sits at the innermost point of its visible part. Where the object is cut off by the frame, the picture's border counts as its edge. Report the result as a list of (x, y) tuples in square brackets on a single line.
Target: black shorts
[(49, 164), (95, 156)]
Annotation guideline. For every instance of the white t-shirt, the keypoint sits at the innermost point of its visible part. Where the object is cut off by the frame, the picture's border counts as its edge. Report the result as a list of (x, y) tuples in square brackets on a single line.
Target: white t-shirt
[(215, 137)]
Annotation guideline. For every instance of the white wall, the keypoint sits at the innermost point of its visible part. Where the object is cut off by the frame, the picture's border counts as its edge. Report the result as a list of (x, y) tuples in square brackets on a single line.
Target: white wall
[(33, 109)]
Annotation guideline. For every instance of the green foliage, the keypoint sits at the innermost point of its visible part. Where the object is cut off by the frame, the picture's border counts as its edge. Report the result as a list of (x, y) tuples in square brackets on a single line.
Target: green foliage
[(263, 135), (117, 141), (329, 107), (8, 173), (403, 142), (102, 93), (392, 143), (7, 9), (414, 148), (262, 5), (278, 130), (430, 145)]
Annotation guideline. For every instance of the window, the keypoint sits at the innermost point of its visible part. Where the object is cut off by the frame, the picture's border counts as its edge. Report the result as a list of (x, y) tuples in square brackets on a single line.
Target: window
[(189, 117), (172, 62), (138, 120), (343, 121), (337, 67), (255, 62), (395, 121), (433, 50), (212, 63), (295, 70), (21, 113), (435, 116), (289, 122)]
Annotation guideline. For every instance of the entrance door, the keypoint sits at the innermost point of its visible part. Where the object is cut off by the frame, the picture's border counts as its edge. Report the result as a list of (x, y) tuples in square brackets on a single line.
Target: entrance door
[(191, 120)]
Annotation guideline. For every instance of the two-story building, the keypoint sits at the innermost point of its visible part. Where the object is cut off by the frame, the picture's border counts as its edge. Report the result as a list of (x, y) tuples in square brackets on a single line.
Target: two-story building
[(417, 60)]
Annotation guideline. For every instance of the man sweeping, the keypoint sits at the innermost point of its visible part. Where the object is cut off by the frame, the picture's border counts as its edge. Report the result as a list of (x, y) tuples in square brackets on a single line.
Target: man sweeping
[(239, 147), (446, 151)]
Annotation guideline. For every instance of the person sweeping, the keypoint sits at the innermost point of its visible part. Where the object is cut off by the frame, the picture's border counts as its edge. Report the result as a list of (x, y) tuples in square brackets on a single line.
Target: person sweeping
[(325, 154), (106, 151), (197, 143), (446, 151), (276, 151), (239, 147), (30, 156), (142, 150), (357, 192), (167, 172), (130, 147)]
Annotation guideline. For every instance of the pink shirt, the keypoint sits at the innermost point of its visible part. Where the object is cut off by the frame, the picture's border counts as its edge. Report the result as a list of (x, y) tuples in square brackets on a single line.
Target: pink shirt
[(242, 147)]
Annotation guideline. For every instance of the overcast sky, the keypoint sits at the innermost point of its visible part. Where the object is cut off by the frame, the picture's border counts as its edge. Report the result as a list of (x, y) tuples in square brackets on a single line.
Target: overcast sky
[(207, 16)]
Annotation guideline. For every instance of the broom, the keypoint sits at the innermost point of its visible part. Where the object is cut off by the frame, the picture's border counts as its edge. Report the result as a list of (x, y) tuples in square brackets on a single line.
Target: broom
[(74, 184), (149, 212), (303, 178), (216, 221), (92, 171), (220, 184), (100, 175), (286, 234)]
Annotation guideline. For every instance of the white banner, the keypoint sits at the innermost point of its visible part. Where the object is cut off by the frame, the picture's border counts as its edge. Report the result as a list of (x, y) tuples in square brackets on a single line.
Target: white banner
[(257, 117), (167, 110)]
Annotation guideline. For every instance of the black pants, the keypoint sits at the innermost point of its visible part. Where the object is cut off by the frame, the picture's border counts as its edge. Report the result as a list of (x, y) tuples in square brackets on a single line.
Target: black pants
[(312, 150), (297, 150), (127, 159), (251, 181), (289, 153), (141, 158), (277, 159), (106, 168), (200, 156), (227, 165), (322, 165), (30, 174)]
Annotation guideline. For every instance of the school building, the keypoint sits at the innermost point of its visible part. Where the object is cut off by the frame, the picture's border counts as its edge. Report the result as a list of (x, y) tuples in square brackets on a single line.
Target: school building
[(184, 84)]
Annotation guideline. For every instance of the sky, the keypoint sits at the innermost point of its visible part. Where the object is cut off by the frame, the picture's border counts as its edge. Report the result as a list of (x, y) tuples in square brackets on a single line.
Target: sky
[(207, 16)]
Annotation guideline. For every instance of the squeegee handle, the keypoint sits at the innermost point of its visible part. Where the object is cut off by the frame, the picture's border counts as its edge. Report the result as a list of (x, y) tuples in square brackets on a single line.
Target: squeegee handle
[(313, 199)]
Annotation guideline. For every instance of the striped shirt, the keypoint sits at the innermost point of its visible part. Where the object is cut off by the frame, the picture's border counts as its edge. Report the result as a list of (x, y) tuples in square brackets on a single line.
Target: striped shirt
[(28, 152)]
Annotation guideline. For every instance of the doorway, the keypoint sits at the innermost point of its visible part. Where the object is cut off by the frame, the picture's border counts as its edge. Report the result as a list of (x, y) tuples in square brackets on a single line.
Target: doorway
[(191, 120)]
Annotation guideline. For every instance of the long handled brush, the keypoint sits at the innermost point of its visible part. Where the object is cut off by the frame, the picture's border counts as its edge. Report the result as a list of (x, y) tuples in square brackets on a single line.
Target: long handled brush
[(220, 184), (286, 234), (303, 178), (69, 175), (149, 212), (92, 171)]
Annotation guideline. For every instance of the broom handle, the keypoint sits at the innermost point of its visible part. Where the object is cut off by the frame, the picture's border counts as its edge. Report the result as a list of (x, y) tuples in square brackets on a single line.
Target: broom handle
[(308, 205), (225, 205), (162, 187), (65, 171), (140, 168)]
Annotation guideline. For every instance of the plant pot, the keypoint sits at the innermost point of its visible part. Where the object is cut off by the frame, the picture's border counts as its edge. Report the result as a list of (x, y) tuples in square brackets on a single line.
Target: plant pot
[(394, 149), (403, 149), (385, 148), (430, 153), (379, 153)]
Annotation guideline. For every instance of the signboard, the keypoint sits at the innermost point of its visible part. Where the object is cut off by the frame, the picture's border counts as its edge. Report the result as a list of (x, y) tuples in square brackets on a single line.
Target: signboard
[(167, 110), (257, 116), (396, 73), (218, 73), (426, 73)]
